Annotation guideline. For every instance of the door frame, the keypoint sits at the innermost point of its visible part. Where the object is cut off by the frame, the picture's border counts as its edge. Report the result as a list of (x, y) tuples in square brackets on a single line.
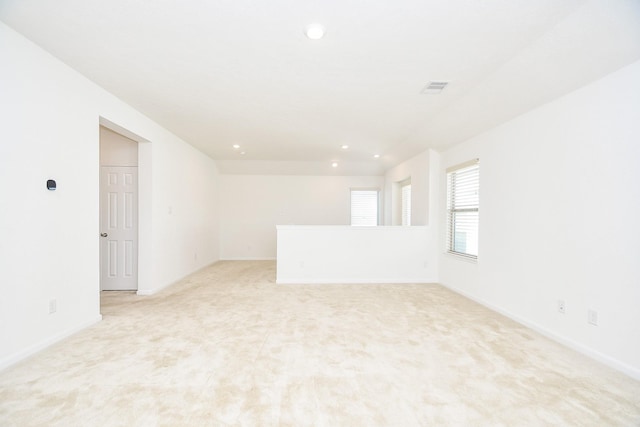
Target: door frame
[(144, 204)]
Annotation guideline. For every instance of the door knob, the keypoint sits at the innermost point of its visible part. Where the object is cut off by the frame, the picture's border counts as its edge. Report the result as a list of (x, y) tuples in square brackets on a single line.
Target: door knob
[(103, 234)]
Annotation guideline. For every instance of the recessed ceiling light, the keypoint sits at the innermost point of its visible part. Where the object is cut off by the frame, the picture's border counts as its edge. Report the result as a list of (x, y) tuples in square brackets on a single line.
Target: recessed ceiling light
[(334, 165), (376, 156), (314, 31), (344, 147), (243, 152), (236, 146)]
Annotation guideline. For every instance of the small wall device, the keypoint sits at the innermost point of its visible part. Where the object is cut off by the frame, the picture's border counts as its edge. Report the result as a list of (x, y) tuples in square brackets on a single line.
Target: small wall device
[(51, 184)]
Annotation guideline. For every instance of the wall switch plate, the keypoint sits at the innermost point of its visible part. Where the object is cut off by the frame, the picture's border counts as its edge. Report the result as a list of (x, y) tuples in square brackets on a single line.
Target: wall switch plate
[(53, 306), (592, 317)]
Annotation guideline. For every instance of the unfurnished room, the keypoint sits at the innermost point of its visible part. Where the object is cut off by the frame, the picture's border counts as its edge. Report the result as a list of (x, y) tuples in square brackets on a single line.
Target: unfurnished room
[(320, 213)]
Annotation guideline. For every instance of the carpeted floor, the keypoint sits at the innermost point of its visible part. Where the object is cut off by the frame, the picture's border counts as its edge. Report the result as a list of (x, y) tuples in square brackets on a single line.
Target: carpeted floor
[(227, 346)]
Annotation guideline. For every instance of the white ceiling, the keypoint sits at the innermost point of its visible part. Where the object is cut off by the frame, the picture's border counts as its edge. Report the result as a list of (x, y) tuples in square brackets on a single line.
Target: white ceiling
[(226, 72)]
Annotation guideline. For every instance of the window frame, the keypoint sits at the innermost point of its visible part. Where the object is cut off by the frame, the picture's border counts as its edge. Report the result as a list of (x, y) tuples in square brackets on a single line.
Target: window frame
[(405, 202), (366, 189), (469, 204)]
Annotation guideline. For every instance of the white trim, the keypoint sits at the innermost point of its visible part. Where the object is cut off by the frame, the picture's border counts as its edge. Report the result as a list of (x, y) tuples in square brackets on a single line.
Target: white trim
[(463, 165), (249, 259), (47, 342), (322, 228), (146, 293), (580, 348), (360, 281), (364, 189), (465, 258)]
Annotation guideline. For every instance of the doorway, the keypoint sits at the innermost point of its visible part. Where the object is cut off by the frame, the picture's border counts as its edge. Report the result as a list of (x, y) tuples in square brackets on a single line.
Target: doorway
[(118, 212)]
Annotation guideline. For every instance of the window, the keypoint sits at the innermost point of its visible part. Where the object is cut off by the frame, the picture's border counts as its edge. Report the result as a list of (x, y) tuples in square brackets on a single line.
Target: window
[(463, 185), (405, 195), (364, 207)]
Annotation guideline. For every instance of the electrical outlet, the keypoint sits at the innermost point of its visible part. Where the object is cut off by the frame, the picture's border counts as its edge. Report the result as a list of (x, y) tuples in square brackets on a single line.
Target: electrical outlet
[(53, 306), (561, 306), (592, 317)]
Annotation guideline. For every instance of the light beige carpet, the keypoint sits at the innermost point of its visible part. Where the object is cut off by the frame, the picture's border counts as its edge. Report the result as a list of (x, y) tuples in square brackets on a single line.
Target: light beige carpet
[(227, 346)]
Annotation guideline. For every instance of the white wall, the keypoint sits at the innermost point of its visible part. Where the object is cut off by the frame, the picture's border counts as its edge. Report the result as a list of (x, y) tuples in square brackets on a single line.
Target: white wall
[(418, 169), (345, 254), (116, 149), (186, 213), (559, 209), (423, 169), (50, 130), (559, 206), (252, 206)]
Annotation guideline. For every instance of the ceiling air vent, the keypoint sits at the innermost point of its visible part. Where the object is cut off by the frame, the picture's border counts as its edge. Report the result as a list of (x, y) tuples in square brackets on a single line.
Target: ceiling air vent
[(434, 88)]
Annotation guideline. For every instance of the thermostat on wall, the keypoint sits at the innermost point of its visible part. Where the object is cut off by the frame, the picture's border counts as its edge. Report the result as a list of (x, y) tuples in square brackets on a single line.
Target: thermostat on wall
[(51, 184)]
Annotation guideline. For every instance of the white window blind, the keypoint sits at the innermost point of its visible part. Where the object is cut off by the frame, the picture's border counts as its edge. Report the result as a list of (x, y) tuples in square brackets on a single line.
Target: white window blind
[(463, 208), (364, 207), (406, 203)]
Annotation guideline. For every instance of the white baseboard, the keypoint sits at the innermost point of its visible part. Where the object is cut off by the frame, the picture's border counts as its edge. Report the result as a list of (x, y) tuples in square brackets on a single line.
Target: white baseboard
[(248, 259), (580, 348), (361, 281), (148, 292), (36, 348)]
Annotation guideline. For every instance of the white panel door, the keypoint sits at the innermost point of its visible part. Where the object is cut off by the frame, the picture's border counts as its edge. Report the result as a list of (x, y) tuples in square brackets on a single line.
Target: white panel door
[(118, 228)]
